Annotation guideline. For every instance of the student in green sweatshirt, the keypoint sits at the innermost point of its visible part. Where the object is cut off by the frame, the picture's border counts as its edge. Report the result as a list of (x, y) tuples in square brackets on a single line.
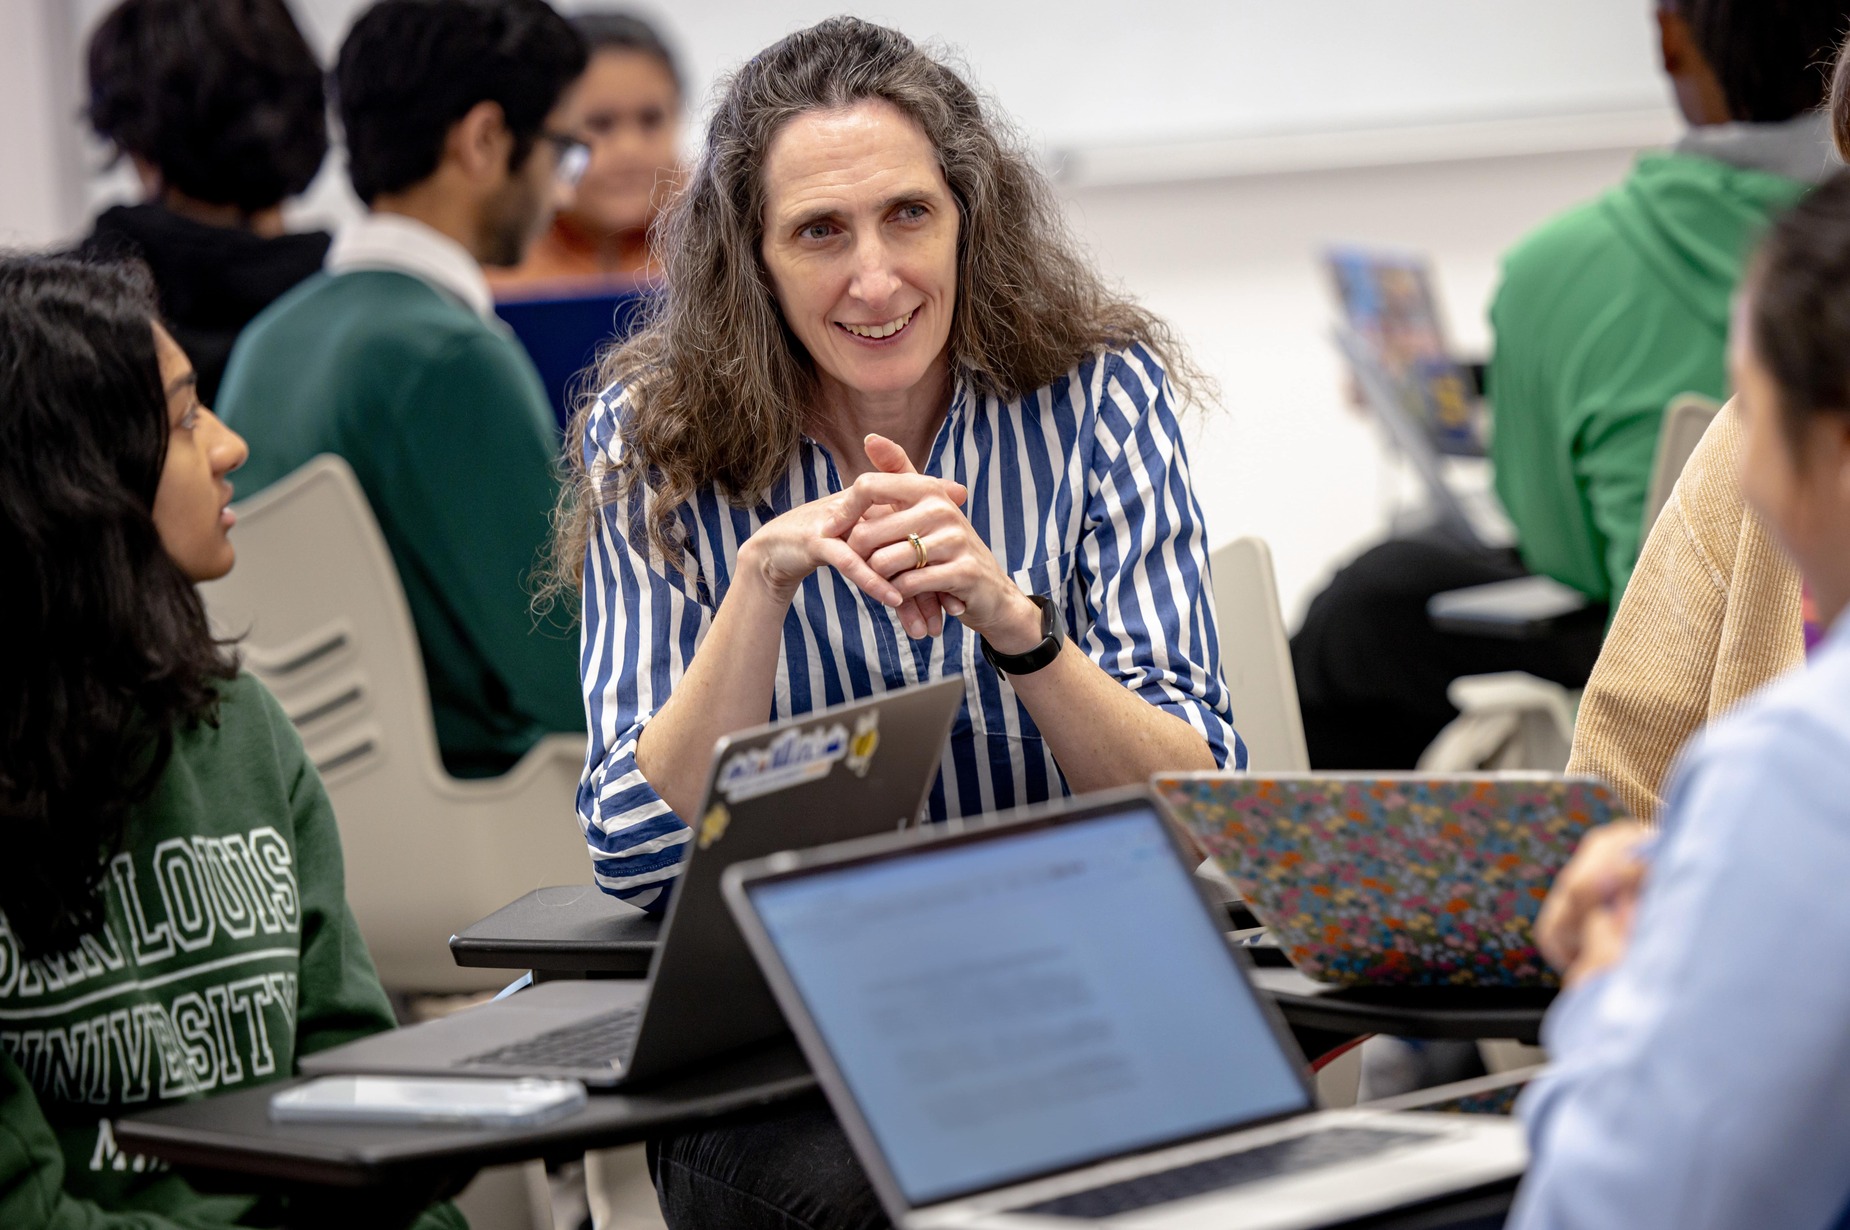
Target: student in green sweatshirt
[(172, 917), (1604, 315), (457, 116)]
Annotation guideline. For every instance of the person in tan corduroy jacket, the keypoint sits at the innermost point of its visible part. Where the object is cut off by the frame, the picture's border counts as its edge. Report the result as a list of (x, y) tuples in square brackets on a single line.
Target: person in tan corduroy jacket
[(1711, 614)]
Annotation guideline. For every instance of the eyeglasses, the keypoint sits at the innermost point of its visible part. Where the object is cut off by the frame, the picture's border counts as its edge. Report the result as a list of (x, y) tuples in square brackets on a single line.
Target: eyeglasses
[(573, 157)]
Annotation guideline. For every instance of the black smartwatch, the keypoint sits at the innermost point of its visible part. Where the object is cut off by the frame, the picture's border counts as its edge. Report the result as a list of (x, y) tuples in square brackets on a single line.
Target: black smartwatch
[(1041, 654)]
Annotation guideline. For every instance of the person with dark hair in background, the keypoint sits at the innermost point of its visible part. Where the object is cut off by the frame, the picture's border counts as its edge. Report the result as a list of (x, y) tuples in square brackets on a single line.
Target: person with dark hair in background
[(1605, 314), (459, 117), (1699, 1069), (137, 756), (630, 104), (219, 106)]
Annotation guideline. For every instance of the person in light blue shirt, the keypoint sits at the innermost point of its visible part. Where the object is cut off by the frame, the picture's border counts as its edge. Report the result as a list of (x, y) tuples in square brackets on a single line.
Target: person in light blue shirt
[(1701, 1072)]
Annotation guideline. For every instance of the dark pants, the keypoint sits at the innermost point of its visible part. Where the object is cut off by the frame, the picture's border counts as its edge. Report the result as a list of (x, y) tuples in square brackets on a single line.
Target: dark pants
[(788, 1167), (1372, 670)]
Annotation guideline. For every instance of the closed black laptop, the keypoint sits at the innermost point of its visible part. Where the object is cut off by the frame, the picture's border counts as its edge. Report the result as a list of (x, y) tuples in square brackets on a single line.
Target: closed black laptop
[(848, 771)]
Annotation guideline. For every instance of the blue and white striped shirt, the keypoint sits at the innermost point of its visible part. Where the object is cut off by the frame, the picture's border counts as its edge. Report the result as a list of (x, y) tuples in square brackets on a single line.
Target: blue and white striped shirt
[(1082, 491)]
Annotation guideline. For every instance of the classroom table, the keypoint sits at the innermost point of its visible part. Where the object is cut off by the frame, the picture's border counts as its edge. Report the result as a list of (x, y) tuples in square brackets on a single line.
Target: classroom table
[(580, 931), (379, 1178), (1407, 1012)]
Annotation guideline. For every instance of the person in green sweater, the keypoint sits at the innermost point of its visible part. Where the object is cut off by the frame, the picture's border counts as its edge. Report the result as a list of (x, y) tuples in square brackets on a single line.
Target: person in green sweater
[(1604, 315), (458, 117), (173, 922)]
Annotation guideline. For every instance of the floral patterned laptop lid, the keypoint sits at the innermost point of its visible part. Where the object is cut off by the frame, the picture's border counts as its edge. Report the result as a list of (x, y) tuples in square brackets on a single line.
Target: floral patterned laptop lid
[(1395, 880)]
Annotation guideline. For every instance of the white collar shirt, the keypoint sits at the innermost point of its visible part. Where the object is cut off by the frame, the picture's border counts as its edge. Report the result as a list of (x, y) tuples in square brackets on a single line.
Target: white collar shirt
[(405, 245)]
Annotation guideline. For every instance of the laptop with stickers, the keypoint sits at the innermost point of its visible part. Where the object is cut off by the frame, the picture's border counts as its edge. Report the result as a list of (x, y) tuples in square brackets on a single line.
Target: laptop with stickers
[(848, 771)]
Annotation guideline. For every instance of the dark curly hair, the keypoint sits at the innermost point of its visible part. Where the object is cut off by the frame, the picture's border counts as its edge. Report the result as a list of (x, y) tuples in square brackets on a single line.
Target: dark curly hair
[(111, 650), (411, 68), (222, 96), (720, 386), (1771, 57)]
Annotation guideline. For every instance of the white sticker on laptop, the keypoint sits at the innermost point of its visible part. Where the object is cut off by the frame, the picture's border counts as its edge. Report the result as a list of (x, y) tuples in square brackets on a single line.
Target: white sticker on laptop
[(797, 756)]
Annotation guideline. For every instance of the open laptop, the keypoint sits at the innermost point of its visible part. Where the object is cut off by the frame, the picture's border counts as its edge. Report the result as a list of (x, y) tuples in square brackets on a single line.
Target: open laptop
[(1038, 1022), (1395, 879), (847, 771), (1388, 304)]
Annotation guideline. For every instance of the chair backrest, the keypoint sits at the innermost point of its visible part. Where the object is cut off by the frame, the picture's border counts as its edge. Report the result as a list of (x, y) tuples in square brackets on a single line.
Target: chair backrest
[(317, 600), (563, 334), (1256, 658), (1685, 419)]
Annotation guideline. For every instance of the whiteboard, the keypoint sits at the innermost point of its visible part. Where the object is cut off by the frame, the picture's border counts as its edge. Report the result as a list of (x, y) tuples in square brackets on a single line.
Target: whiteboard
[(1079, 74)]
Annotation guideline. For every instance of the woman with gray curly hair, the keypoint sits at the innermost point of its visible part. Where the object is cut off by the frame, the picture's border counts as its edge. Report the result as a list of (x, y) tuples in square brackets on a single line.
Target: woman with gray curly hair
[(886, 426)]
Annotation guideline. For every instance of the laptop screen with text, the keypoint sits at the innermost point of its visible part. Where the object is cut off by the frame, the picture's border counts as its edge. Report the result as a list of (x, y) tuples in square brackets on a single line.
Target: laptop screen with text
[(1027, 1002)]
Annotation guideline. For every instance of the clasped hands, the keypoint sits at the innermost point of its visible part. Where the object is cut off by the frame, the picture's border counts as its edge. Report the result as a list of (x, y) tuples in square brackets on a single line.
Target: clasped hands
[(866, 533)]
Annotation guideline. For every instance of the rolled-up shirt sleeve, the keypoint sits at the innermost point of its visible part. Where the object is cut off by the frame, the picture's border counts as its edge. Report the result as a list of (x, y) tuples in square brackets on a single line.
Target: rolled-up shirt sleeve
[(642, 624), (1144, 558)]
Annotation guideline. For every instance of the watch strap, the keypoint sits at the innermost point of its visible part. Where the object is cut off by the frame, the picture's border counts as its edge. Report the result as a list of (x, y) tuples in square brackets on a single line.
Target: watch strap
[(1043, 653)]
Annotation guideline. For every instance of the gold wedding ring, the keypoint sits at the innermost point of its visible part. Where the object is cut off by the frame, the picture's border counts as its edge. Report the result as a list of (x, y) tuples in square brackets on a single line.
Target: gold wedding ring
[(918, 551)]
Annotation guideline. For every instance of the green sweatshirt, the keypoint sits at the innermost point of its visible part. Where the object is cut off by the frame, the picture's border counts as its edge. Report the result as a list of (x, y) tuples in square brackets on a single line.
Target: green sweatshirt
[(1604, 315), (227, 950), (448, 428)]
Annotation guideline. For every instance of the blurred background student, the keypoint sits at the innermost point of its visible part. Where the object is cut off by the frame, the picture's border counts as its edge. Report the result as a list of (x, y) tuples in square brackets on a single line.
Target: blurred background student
[(458, 116), (630, 106), (219, 106), (1605, 314)]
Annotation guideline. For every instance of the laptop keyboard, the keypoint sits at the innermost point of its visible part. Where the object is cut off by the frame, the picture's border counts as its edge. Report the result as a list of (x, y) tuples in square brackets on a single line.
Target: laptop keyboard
[(596, 1042), (1298, 1153)]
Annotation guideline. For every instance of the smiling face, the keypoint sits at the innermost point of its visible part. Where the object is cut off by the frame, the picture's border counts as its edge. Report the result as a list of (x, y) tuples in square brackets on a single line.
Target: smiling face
[(860, 240), (191, 511)]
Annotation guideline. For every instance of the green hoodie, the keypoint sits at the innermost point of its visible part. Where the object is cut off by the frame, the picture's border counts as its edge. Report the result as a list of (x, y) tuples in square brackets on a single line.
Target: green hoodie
[(226, 951), (1605, 314)]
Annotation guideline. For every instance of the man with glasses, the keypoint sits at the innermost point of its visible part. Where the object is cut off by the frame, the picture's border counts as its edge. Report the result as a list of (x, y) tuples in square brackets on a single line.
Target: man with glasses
[(459, 122)]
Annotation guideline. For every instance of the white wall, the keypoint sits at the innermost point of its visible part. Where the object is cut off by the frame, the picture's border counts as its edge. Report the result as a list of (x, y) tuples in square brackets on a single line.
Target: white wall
[(40, 169), (1233, 265), (1229, 255)]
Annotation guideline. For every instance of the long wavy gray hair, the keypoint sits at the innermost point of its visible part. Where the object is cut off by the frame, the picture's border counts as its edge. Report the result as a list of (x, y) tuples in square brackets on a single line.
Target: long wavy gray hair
[(720, 387)]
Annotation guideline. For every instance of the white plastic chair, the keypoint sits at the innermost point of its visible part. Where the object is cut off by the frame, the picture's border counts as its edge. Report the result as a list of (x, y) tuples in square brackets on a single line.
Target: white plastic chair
[(1685, 419), (318, 603), (1511, 720), (1515, 720), (1256, 658)]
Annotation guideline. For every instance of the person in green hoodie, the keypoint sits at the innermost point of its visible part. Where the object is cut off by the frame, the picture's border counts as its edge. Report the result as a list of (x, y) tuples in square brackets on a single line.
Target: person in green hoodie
[(1604, 315), (173, 922)]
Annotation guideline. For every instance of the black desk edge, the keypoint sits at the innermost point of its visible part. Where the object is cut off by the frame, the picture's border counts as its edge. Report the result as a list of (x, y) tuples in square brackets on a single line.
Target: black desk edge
[(348, 1156)]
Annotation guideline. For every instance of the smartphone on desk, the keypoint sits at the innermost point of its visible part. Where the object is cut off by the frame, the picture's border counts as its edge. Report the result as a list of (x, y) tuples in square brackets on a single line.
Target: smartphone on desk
[(433, 1100)]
